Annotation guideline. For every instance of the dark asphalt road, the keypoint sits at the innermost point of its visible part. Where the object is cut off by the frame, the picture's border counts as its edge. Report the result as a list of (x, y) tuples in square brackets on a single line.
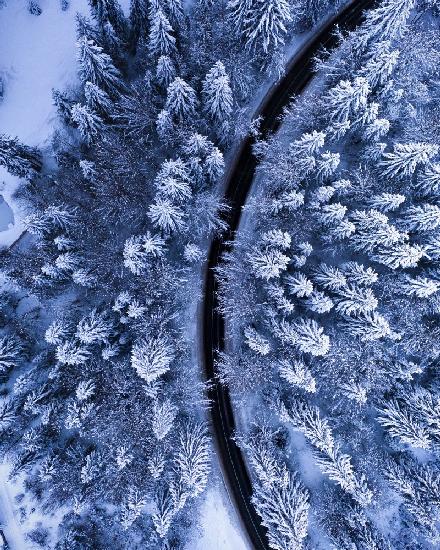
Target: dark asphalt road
[(237, 185)]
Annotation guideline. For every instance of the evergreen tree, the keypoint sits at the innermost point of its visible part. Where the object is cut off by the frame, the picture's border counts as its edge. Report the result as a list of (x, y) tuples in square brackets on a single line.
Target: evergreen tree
[(18, 159), (161, 41), (98, 100), (109, 11), (166, 216), (89, 124), (402, 425), (96, 67), (406, 158), (139, 21), (262, 23), (151, 357), (165, 70), (181, 100), (217, 94)]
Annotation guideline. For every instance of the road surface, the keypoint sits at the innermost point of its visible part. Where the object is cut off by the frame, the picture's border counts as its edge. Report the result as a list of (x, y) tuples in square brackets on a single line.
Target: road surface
[(237, 185)]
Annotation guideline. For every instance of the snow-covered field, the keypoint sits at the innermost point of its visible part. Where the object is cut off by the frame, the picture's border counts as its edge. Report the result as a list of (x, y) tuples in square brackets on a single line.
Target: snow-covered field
[(37, 54)]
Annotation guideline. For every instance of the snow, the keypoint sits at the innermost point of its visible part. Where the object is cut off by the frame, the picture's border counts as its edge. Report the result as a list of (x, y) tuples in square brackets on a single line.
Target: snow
[(8, 521), (38, 54), (217, 529)]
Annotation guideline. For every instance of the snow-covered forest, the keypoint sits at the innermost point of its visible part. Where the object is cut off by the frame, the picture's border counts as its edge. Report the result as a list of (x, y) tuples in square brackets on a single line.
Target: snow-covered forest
[(330, 290)]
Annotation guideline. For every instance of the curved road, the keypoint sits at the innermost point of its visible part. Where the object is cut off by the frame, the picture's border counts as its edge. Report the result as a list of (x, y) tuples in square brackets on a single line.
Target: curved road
[(237, 185)]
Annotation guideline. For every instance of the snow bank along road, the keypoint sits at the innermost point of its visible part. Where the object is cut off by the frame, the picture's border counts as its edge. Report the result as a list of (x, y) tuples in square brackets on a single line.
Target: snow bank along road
[(237, 184)]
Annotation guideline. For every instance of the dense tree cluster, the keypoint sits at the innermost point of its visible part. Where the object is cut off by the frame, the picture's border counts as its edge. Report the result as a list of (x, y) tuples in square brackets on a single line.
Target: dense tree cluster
[(332, 292)]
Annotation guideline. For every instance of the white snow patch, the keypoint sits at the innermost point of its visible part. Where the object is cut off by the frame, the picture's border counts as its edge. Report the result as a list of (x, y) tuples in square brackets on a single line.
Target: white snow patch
[(38, 54), (217, 530)]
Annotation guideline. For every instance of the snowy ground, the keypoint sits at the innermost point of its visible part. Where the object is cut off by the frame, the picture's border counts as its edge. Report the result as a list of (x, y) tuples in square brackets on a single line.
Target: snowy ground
[(38, 54), (218, 529)]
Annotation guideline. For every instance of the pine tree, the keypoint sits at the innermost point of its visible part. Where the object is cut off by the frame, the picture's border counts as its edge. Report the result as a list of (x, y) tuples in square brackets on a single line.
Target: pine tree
[(151, 357), (161, 41), (98, 100), (165, 512), (96, 67), (310, 337), (329, 457), (421, 287), (217, 94), (386, 22), (193, 458), (256, 342), (318, 302), (347, 98), (63, 105), (166, 216), (164, 415), (268, 264), (428, 181), (298, 374), (109, 11), (262, 23), (72, 353), (181, 100), (357, 274), (386, 202), (352, 300), (369, 326), (89, 123), (10, 353), (95, 327), (406, 158), (329, 277), (403, 255), (165, 70), (379, 68), (402, 425), (326, 165), (139, 21), (18, 159), (422, 218)]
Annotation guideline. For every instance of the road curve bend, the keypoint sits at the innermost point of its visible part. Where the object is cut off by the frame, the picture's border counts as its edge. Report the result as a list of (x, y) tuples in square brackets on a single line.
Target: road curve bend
[(238, 182)]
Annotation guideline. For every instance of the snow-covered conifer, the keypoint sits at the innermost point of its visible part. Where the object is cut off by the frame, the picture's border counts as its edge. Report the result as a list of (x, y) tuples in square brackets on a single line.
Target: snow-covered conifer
[(402, 425), (256, 342), (347, 98), (95, 327), (161, 39), (386, 202), (369, 326), (422, 218), (152, 357), (331, 214), (406, 158), (165, 512), (277, 238), (268, 264), (352, 300), (193, 458), (299, 285), (18, 159), (96, 67), (89, 123), (318, 302), (297, 373), (7, 414), (421, 287), (214, 164), (386, 22), (10, 353), (97, 100), (181, 100), (72, 352), (379, 68), (308, 144), (329, 277), (166, 216), (165, 70), (217, 94), (164, 415), (326, 165), (402, 255), (428, 180)]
